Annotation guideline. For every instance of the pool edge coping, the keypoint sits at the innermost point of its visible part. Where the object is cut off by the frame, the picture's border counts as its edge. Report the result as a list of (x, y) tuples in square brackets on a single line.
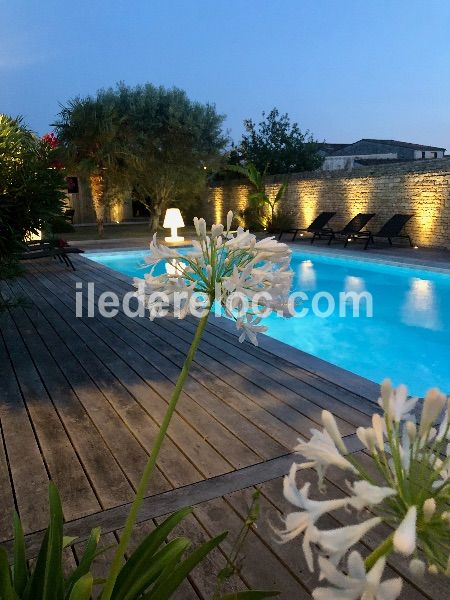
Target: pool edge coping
[(434, 266)]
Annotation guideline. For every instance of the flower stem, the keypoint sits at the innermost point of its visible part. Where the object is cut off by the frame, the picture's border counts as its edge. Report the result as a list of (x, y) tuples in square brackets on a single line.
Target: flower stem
[(116, 564), (384, 548)]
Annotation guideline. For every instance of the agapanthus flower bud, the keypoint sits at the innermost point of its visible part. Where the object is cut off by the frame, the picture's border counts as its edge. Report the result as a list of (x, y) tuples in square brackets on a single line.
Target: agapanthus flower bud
[(216, 230), (429, 507), (202, 228), (432, 407), (367, 436), (379, 428), (386, 392), (229, 219), (411, 430), (329, 422), (405, 534), (417, 567)]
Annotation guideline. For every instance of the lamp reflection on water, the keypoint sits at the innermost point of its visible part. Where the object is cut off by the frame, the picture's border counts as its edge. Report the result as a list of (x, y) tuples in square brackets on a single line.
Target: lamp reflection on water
[(354, 284), (307, 275), (420, 306)]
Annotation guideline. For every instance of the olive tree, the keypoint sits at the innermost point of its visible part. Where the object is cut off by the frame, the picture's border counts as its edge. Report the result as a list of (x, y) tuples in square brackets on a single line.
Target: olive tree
[(176, 143)]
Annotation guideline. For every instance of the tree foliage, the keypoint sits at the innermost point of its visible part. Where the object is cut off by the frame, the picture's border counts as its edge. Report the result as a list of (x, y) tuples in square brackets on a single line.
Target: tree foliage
[(176, 142), (152, 142), (95, 145), (31, 186), (275, 145)]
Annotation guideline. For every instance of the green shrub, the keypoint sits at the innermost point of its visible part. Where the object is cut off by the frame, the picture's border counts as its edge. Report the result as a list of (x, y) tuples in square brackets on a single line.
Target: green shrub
[(60, 224), (253, 218), (31, 184), (281, 220)]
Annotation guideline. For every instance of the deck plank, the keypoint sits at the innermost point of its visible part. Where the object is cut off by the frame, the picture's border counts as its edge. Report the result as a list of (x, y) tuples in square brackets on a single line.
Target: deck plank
[(74, 333), (202, 454)]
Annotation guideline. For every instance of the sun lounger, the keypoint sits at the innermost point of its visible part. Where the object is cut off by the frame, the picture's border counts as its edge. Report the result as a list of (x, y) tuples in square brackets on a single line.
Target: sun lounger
[(317, 227), (353, 229), (392, 229), (47, 249)]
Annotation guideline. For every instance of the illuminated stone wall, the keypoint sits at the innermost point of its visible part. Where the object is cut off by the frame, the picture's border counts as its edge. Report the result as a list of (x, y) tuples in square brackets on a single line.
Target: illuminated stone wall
[(421, 188), (84, 210)]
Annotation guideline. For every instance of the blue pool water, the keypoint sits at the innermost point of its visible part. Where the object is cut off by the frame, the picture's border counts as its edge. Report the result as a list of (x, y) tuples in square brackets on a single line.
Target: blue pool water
[(407, 339)]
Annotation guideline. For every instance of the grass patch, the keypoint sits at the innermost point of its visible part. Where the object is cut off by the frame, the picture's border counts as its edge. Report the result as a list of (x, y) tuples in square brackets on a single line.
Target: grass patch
[(114, 231)]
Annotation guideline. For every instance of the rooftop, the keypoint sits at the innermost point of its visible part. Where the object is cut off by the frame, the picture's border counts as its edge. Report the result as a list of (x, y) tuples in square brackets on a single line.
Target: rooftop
[(335, 148), (402, 144)]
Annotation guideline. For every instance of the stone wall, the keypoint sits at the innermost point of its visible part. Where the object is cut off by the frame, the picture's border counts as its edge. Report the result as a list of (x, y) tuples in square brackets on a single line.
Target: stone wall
[(420, 187)]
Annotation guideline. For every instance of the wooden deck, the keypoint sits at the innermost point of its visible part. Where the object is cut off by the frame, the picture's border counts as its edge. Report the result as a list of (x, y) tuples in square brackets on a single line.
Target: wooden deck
[(81, 400)]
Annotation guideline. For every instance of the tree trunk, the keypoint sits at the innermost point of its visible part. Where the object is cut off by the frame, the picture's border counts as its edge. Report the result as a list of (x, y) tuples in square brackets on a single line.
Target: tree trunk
[(97, 191), (155, 210)]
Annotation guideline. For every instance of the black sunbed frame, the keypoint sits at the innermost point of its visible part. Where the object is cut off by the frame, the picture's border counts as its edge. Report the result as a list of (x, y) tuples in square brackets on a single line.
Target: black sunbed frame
[(392, 229), (317, 227), (44, 249), (352, 231)]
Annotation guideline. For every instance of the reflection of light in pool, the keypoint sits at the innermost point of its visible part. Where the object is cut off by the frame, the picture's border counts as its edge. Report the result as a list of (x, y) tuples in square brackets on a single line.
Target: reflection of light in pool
[(420, 307), (307, 275), (354, 284)]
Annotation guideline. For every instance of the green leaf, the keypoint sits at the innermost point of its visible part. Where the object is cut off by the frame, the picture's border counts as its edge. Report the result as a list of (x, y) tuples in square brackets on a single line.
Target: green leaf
[(47, 582), (82, 589), (68, 540), (20, 570), (173, 579), (237, 169), (163, 561), (34, 586), (85, 563), (53, 583), (141, 557), (6, 588), (249, 595), (281, 192)]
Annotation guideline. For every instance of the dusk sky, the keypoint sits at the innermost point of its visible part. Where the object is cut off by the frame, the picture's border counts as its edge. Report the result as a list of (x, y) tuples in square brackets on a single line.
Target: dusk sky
[(344, 69)]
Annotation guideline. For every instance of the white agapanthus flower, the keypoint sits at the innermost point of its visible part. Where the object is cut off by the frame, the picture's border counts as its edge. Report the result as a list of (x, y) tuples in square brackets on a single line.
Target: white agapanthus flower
[(303, 522), (366, 494), (336, 542), (357, 583), (244, 276), (321, 452), (407, 488), (395, 402)]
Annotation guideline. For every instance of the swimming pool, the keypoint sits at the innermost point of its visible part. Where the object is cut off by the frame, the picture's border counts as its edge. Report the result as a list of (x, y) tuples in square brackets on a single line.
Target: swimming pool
[(406, 339)]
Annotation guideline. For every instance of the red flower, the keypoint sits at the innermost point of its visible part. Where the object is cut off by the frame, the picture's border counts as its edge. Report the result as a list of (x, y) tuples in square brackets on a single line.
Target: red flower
[(51, 140)]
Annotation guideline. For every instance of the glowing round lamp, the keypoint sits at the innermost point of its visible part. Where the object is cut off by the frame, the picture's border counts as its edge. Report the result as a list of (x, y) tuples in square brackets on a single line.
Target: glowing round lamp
[(172, 221)]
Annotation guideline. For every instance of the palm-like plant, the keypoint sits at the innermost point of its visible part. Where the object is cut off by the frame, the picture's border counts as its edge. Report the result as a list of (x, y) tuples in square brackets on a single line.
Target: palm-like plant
[(93, 138), (258, 199)]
